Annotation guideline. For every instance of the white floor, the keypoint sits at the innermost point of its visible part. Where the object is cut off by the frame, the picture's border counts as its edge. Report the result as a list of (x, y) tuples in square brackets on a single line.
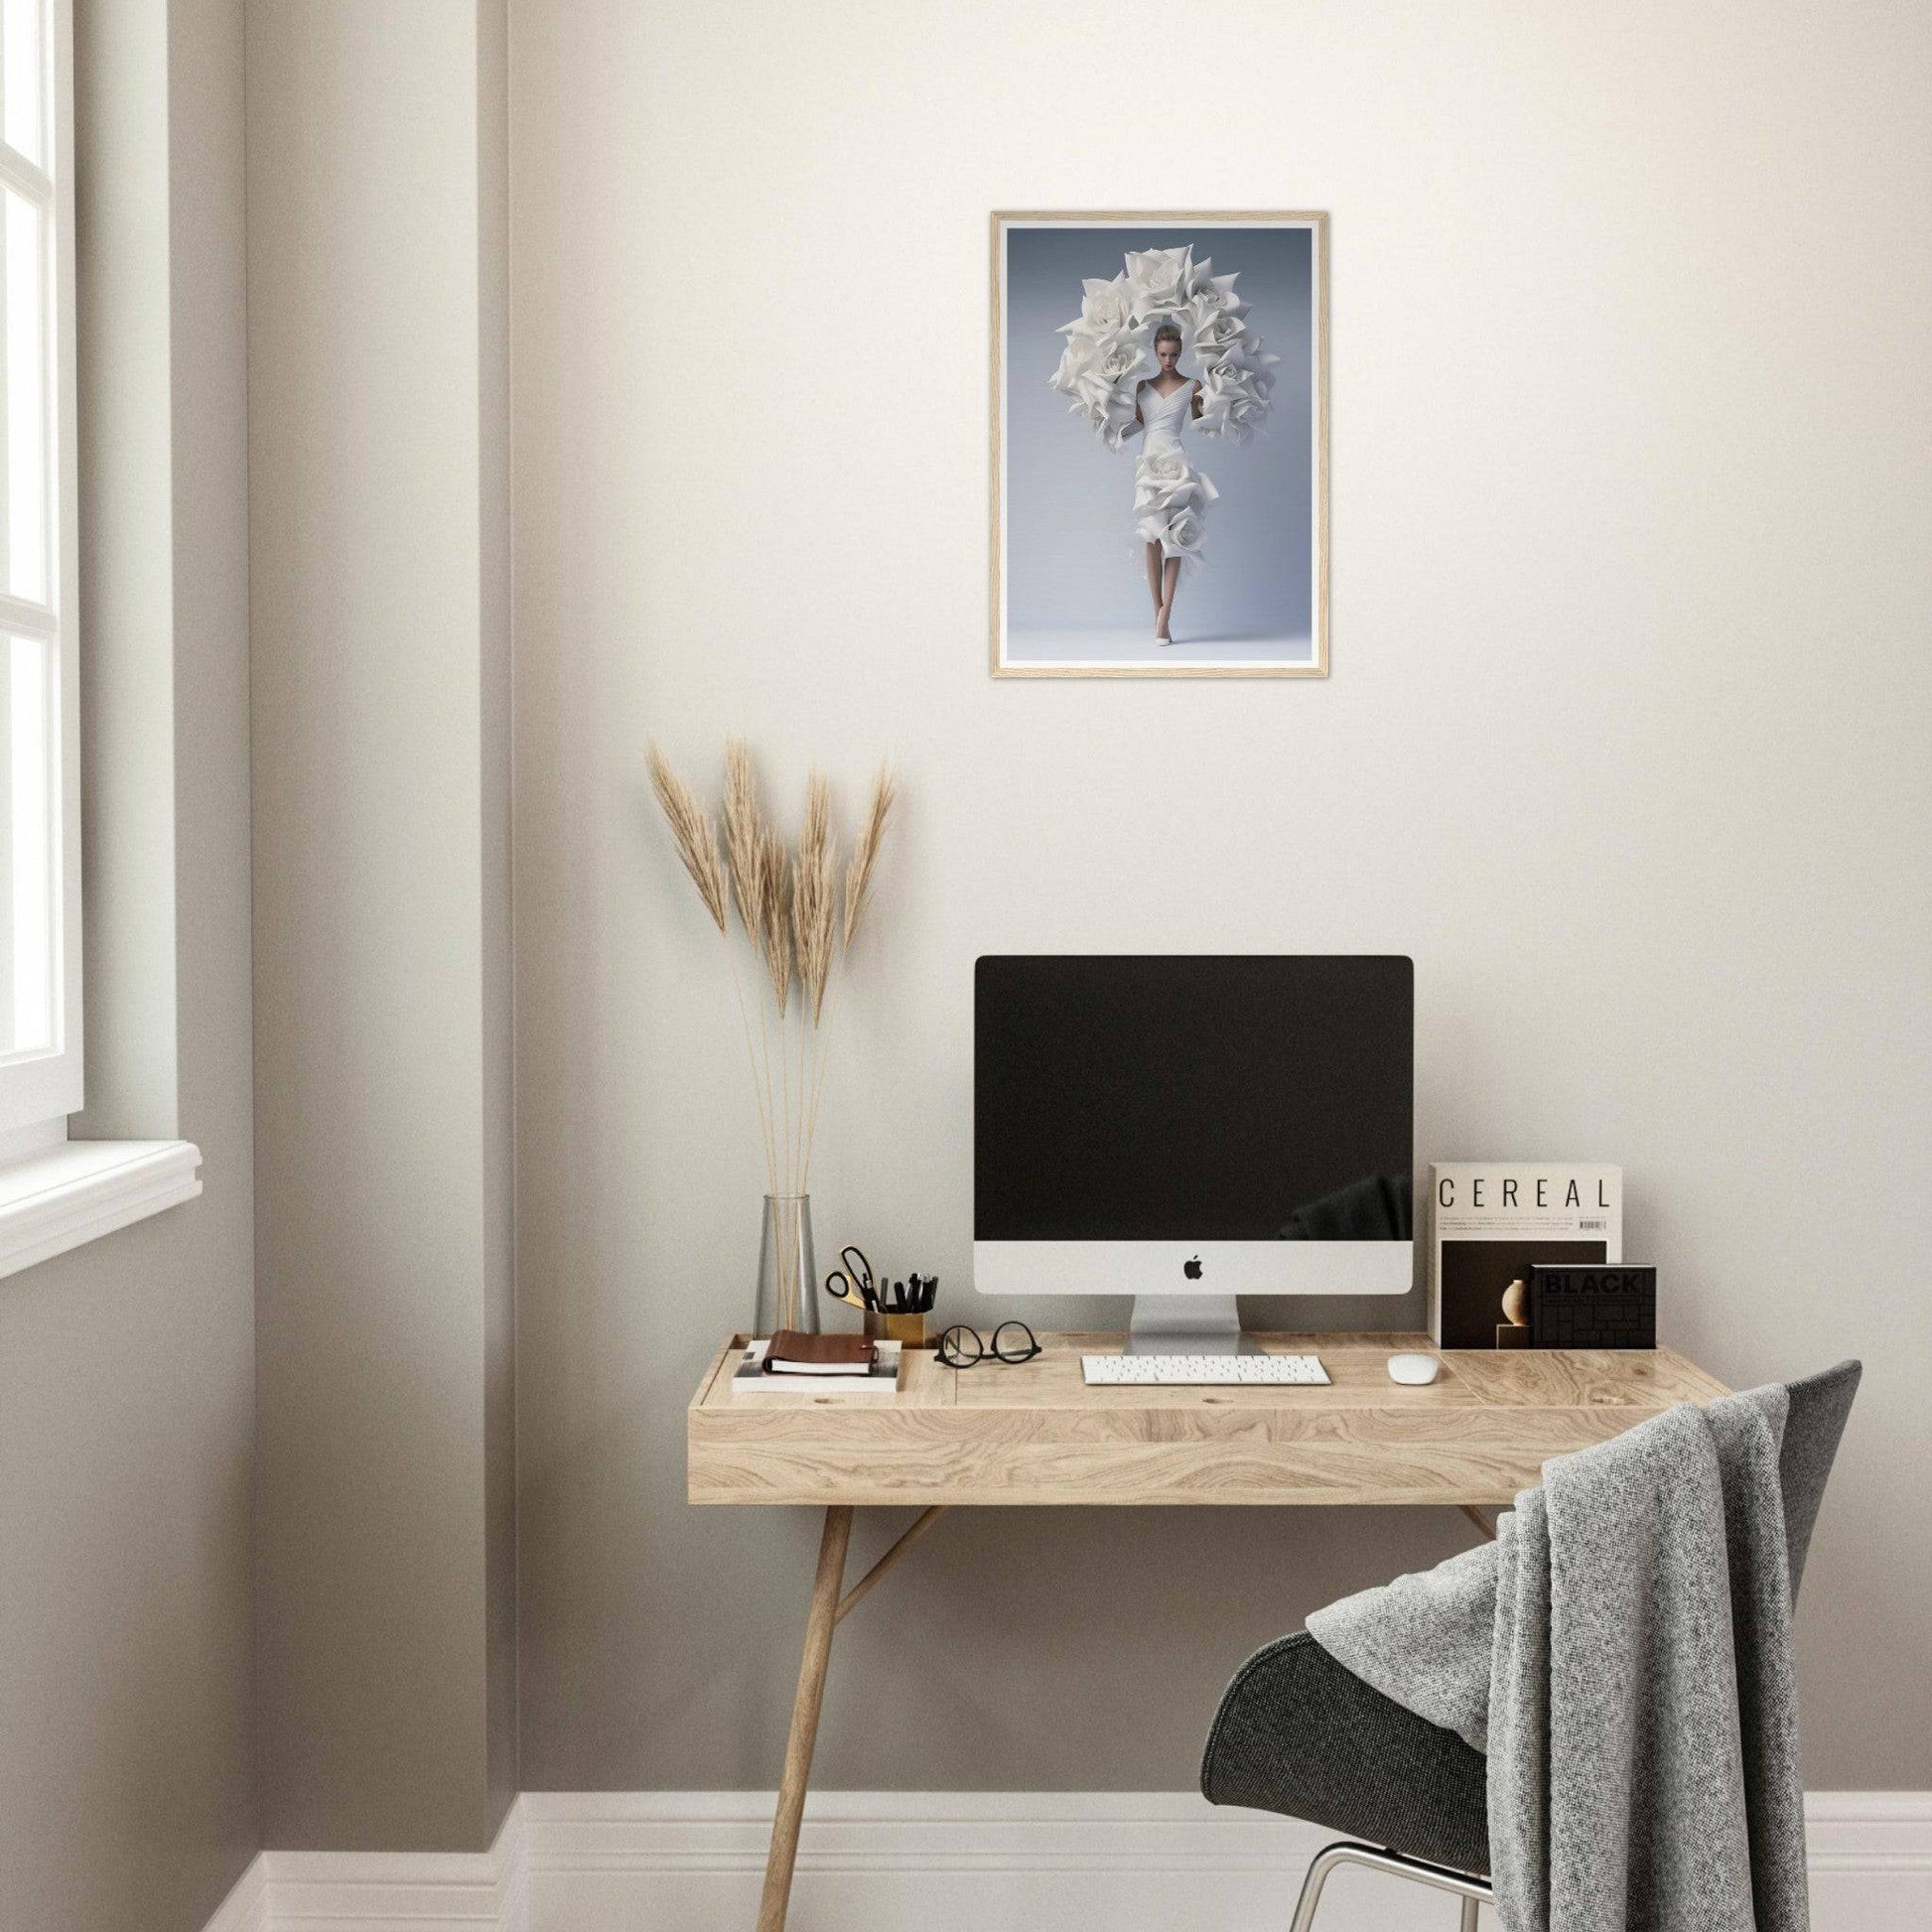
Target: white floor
[(1203, 646)]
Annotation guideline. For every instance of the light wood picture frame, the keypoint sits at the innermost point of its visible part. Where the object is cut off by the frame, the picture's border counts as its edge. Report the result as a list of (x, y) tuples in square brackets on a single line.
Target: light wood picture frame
[(1088, 465)]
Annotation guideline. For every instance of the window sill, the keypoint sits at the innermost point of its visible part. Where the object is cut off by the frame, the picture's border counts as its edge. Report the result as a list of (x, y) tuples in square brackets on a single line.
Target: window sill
[(78, 1190)]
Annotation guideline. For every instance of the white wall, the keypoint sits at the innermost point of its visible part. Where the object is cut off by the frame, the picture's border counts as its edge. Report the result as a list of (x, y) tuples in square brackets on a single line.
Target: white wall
[(1625, 743)]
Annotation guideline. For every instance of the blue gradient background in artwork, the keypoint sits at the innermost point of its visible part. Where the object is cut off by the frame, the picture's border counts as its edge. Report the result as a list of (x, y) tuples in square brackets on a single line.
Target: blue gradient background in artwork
[(1072, 560)]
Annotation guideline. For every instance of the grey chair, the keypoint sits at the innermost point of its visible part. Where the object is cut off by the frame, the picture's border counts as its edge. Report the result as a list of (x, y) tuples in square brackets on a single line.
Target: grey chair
[(1298, 1733)]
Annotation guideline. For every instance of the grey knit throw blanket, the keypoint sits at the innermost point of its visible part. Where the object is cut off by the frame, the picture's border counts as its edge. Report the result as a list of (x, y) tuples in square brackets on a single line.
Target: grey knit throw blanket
[(1622, 1653)]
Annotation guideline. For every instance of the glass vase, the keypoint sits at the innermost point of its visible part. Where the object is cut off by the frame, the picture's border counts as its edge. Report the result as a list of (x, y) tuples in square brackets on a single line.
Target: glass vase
[(787, 1270)]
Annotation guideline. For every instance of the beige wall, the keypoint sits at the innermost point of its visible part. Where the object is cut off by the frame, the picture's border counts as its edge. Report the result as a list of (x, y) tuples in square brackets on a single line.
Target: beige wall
[(1625, 744), (127, 1798), (378, 440)]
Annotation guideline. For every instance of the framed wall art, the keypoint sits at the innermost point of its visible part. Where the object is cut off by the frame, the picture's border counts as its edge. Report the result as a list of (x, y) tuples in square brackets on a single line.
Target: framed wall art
[(1160, 444)]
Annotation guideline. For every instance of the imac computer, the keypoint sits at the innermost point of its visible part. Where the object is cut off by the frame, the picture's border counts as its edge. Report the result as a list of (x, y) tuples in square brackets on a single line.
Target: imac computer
[(1184, 1129)]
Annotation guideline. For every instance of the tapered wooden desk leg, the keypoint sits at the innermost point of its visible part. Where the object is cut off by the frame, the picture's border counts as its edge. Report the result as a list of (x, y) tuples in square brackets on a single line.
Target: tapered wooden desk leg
[(804, 1719)]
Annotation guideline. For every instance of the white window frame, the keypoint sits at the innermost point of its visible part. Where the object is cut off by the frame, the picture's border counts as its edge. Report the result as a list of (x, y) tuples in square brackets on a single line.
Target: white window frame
[(40, 1089), (55, 1193)]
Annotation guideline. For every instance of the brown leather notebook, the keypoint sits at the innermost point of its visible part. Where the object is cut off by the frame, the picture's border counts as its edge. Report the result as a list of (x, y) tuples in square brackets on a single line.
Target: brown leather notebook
[(795, 1353)]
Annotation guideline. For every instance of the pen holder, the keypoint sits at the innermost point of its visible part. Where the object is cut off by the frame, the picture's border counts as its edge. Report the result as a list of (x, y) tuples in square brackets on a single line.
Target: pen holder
[(908, 1329)]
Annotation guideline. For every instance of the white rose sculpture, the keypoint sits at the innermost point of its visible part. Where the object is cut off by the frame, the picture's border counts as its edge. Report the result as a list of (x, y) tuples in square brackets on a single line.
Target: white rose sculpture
[(1110, 352)]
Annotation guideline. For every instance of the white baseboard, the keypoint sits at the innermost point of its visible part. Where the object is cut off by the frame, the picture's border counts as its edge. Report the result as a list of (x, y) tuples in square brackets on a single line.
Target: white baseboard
[(245, 1909), (952, 1862), (1870, 1856)]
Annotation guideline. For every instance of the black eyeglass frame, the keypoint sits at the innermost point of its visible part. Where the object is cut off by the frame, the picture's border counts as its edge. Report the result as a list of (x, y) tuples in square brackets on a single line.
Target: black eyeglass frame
[(949, 1356)]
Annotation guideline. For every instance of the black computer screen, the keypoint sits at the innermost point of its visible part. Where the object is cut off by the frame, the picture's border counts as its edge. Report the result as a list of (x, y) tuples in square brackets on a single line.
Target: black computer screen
[(1170, 1097)]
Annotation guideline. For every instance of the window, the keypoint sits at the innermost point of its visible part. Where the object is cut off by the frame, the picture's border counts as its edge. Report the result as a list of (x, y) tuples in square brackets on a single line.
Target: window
[(39, 868), (56, 1194)]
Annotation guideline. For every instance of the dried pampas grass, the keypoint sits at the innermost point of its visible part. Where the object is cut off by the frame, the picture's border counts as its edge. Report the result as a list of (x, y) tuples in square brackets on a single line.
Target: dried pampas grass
[(692, 831), (745, 837), (774, 917), (865, 853), (813, 896), (787, 906)]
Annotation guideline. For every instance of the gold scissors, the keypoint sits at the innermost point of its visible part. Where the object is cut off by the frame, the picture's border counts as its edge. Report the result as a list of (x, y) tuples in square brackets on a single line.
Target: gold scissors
[(851, 1282)]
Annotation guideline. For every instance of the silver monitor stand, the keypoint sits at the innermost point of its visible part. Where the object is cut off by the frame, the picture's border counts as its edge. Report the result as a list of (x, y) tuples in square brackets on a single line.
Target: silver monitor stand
[(1186, 1325)]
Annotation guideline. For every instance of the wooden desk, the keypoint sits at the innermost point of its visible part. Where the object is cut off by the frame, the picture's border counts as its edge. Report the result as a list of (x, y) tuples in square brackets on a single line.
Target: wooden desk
[(1035, 1434)]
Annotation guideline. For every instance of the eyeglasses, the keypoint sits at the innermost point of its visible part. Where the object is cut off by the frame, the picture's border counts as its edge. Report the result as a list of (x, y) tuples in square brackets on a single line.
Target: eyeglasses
[(964, 1347)]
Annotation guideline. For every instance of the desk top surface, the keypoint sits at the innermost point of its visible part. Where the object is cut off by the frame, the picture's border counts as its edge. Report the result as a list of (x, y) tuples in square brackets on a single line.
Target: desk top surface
[(1035, 1434)]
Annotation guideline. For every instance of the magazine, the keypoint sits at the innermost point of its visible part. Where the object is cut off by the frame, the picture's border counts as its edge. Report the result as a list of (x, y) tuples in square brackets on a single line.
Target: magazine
[(1489, 1220)]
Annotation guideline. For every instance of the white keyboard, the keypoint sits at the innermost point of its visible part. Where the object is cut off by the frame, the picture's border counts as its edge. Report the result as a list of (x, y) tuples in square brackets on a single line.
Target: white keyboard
[(1203, 1371)]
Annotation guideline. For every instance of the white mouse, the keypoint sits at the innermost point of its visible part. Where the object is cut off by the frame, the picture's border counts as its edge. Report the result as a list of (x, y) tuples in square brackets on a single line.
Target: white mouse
[(1413, 1369)]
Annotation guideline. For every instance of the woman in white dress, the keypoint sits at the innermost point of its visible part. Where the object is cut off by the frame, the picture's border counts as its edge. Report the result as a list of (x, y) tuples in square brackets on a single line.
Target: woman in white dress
[(1170, 493)]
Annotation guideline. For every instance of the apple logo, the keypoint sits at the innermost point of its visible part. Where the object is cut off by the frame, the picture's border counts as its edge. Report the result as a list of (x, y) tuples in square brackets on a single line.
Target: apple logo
[(1191, 1268)]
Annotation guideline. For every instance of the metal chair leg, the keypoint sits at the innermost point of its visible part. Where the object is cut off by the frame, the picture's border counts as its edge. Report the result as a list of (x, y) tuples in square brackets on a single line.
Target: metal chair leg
[(1471, 1890), (1318, 1871)]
